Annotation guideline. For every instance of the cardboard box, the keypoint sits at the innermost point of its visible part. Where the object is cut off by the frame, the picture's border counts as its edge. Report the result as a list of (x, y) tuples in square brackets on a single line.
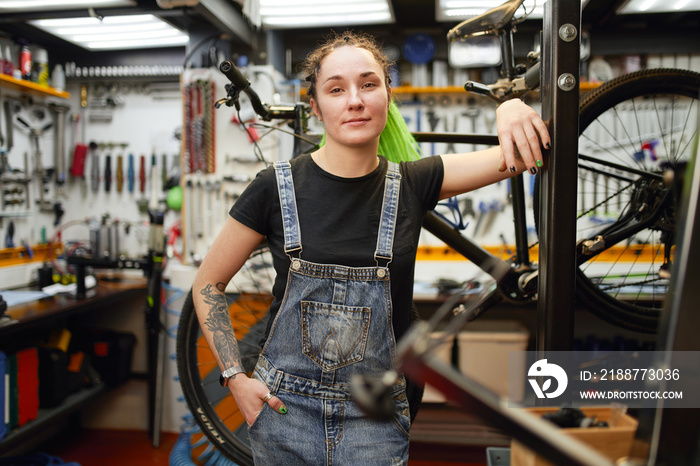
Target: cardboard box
[(444, 354), (614, 441), (483, 356)]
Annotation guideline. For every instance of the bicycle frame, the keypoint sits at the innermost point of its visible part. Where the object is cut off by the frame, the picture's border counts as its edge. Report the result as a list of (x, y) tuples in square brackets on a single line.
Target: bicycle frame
[(520, 265)]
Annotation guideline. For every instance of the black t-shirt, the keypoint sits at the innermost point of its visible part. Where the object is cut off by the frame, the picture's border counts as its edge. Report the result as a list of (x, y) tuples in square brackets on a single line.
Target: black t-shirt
[(339, 219)]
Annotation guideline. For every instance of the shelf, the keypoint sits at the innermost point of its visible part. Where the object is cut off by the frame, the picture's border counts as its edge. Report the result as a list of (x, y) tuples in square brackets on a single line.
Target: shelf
[(584, 86), (28, 320), (428, 90), (54, 310), (29, 87), (401, 90), (46, 417), (23, 255)]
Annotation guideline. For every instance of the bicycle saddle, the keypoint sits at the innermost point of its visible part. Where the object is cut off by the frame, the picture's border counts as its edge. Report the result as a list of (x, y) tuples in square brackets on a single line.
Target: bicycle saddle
[(487, 23)]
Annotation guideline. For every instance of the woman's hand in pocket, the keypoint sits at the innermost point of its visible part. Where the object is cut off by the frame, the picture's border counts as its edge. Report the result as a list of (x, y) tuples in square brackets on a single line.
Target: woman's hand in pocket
[(251, 395)]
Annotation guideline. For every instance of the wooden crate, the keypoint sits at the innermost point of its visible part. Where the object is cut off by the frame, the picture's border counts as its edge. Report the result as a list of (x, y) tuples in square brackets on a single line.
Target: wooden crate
[(614, 441)]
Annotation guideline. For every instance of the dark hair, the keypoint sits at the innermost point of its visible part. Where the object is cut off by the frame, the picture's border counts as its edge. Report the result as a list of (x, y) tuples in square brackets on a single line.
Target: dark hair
[(312, 64)]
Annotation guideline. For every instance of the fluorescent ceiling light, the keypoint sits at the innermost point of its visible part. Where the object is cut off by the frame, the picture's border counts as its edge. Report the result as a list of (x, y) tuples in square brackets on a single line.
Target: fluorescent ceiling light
[(115, 32), (658, 6), (287, 14), (459, 10), (51, 5)]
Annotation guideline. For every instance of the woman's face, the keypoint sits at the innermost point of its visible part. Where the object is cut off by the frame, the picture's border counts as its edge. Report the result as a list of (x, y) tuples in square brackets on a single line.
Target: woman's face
[(352, 99)]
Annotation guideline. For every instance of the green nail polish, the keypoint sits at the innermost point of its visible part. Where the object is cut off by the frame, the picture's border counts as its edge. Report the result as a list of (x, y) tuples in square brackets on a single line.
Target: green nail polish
[(283, 410), (539, 163)]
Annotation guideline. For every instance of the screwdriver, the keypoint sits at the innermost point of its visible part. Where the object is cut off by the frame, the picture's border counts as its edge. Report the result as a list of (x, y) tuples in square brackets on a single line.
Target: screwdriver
[(142, 175), (164, 171), (120, 173), (130, 173), (108, 172), (95, 171), (9, 241)]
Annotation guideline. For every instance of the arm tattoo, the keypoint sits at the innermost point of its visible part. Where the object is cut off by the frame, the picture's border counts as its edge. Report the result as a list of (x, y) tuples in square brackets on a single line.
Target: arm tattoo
[(219, 323)]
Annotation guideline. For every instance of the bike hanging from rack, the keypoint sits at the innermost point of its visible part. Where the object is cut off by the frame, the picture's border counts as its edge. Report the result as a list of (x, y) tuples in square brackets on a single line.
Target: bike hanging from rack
[(634, 130)]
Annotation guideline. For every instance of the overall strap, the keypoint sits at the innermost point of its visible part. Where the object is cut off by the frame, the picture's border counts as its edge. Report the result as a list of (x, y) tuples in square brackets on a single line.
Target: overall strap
[(387, 224), (288, 205)]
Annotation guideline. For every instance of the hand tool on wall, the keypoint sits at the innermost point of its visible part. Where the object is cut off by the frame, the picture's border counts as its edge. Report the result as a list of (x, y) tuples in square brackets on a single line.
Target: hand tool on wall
[(495, 208), (130, 177), (120, 173), (7, 111), (108, 172), (164, 171), (153, 200), (142, 175), (433, 121), (153, 178), (9, 235), (80, 151), (60, 159), (94, 167), (36, 131), (468, 208), (483, 212), (472, 113), (451, 146)]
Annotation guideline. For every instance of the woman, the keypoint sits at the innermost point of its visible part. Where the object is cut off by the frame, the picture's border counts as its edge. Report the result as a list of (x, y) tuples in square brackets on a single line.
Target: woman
[(343, 226)]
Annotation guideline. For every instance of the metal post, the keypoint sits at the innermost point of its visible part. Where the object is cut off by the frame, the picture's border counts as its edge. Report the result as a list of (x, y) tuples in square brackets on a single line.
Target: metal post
[(560, 93)]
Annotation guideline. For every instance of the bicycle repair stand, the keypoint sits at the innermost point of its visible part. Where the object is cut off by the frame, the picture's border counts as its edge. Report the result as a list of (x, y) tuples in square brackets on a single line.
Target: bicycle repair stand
[(561, 40), (152, 267)]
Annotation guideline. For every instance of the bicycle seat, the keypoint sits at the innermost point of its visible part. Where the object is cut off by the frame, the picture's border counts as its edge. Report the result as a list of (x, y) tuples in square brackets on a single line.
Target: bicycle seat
[(488, 23)]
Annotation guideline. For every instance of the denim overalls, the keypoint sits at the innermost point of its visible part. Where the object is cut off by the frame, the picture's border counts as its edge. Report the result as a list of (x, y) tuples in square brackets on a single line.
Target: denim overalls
[(334, 321)]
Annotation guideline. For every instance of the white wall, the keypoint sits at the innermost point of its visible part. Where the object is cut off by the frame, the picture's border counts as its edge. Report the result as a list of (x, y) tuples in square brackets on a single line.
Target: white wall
[(146, 121)]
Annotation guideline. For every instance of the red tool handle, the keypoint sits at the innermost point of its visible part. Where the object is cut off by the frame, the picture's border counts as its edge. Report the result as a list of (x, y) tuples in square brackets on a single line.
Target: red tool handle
[(142, 174)]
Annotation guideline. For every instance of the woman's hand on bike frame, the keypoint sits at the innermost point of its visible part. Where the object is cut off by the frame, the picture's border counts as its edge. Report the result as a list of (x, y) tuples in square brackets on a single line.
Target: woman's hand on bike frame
[(521, 133)]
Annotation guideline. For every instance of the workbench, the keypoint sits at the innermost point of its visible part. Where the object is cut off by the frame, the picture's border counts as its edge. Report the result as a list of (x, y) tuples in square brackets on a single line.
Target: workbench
[(30, 320)]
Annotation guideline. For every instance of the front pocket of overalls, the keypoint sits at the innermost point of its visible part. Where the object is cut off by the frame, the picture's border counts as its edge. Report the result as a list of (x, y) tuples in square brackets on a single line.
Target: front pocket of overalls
[(334, 335)]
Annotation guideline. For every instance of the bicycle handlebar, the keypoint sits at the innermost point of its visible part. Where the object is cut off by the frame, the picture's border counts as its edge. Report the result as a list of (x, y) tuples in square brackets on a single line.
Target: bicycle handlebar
[(241, 84)]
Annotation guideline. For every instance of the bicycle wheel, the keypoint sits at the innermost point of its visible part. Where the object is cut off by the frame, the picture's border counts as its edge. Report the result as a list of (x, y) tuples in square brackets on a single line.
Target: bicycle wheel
[(632, 129), (213, 407)]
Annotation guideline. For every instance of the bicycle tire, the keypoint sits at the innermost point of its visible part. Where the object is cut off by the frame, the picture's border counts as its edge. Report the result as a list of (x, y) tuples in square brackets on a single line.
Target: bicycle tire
[(212, 406), (635, 304)]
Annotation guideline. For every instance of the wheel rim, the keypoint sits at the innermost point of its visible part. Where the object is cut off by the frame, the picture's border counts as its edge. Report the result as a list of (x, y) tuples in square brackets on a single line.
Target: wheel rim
[(212, 406), (623, 152)]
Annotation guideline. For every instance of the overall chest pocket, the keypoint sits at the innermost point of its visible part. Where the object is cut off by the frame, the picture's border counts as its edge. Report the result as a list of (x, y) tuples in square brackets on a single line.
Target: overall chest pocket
[(334, 335)]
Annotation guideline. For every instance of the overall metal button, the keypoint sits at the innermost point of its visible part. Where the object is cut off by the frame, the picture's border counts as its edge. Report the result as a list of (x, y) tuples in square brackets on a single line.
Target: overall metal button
[(381, 273), (296, 265)]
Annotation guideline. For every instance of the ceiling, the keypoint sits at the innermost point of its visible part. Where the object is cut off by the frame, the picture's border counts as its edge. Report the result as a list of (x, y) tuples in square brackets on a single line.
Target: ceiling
[(610, 33)]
